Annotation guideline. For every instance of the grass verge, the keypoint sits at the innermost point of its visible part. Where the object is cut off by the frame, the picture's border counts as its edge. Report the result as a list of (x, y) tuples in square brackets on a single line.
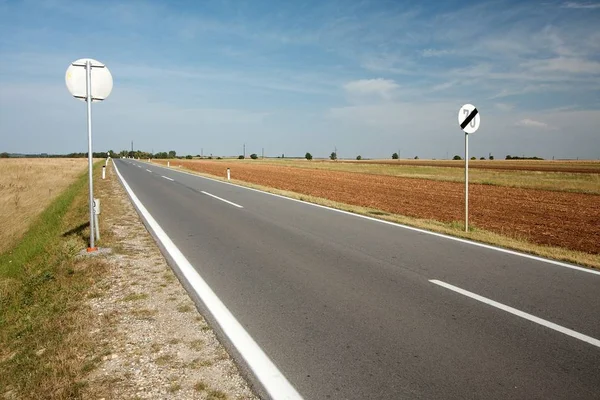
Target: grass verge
[(455, 228), (43, 340)]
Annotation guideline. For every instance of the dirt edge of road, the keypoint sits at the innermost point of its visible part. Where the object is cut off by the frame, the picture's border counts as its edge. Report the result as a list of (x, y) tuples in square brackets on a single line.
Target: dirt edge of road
[(151, 340)]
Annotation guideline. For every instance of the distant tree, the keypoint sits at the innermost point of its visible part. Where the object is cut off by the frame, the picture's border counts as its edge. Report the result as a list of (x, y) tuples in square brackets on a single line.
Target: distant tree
[(172, 154), (308, 156), (189, 157), (416, 157), (253, 156), (358, 157), (491, 157), (241, 157), (482, 158), (282, 155), (508, 157), (395, 156), (4, 155), (333, 155), (457, 157), (473, 158)]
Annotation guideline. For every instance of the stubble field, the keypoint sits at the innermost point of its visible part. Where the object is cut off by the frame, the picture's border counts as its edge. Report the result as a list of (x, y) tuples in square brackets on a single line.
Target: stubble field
[(27, 187)]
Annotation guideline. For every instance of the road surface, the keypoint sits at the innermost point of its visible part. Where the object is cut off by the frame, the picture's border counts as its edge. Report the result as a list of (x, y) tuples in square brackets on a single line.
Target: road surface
[(351, 308)]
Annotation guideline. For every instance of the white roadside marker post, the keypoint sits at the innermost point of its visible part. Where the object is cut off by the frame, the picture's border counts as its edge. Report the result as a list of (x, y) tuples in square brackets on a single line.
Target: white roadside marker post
[(468, 120), (228, 174), (104, 172), (96, 213), (89, 88)]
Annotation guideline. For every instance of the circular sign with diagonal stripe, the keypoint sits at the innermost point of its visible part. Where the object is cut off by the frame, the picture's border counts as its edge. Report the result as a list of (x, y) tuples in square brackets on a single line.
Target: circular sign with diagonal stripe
[(469, 118)]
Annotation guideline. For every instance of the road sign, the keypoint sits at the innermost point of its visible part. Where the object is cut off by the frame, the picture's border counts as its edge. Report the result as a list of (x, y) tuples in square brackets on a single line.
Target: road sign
[(469, 118), (101, 80), (90, 88)]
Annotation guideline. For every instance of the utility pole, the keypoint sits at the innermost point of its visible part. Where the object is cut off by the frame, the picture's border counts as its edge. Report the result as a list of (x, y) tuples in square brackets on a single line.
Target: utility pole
[(201, 152), (263, 153), (244, 150)]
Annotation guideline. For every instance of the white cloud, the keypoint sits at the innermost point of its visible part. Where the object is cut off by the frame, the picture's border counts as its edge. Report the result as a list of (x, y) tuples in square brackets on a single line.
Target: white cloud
[(574, 4), (531, 123), (504, 106), (435, 52), (564, 64), (384, 88)]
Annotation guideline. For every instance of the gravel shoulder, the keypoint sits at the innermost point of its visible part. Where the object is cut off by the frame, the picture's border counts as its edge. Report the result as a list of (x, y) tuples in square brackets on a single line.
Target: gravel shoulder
[(151, 341)]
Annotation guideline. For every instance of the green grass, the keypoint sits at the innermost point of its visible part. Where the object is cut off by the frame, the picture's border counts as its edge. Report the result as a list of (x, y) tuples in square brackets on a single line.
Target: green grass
[(42, 285)]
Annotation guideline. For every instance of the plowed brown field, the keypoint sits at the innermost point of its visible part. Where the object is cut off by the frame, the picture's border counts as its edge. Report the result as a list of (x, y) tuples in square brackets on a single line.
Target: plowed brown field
[(584, 167), (568, 220)]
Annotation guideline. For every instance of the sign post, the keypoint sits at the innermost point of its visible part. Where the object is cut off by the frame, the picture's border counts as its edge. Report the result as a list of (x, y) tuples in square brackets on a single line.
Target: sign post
[(89, 88), (468, 119)]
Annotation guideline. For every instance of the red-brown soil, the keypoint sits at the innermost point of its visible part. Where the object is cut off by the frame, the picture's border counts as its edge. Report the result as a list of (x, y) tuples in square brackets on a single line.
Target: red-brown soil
[(563, 219), (584, 167)]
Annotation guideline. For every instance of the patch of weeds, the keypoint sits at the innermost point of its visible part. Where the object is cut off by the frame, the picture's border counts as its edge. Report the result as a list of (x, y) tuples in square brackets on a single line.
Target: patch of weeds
[(135, 297), (155, 347), (196, 345), (171, 298), (200, 386), (169, 277), (164, 359), (174, 387), (216, 395), (378, 213), (95, 294), (174, 341), (90, 365), (184, 308), (144, 314), (198, 363), (205, 328)]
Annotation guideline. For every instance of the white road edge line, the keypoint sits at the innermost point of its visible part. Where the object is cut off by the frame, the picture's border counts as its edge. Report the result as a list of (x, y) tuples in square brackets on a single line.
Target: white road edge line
[(263, 368), (166, 177), (514, 311), (218, 198), (148, 170), (411, 228)]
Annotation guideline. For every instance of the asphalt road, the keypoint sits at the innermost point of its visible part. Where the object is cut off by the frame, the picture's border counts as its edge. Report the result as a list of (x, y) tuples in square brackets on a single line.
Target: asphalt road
[(346, 308)]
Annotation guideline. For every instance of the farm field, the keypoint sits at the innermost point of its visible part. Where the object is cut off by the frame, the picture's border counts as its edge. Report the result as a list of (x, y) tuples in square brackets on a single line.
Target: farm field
[(27, 187), (570, 176), (555, 218)]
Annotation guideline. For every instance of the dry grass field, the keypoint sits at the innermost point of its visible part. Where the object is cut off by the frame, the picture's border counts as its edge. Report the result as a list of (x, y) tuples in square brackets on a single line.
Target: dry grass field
[(27, 187)]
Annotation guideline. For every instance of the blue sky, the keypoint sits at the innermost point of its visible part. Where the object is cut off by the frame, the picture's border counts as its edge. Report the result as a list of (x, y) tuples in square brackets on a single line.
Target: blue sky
[(369, 77)]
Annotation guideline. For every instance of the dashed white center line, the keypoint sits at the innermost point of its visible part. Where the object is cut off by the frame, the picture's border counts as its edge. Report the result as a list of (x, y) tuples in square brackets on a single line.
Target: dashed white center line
[(166, 177), (514, 311), (139, 166), (218, 198), (148, 170)]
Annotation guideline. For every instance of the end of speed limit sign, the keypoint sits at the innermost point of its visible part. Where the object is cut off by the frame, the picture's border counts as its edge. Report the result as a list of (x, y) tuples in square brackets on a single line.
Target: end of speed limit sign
[(469, 118)]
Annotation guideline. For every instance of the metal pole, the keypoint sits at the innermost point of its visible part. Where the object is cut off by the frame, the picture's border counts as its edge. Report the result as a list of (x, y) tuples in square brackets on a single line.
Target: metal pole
[(466, 182), (88, 99)]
